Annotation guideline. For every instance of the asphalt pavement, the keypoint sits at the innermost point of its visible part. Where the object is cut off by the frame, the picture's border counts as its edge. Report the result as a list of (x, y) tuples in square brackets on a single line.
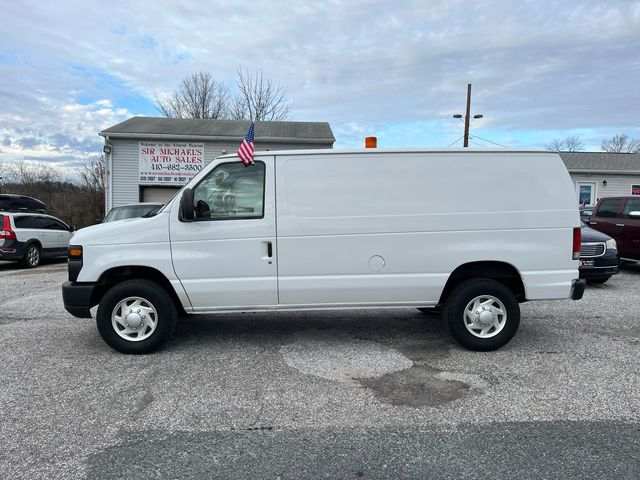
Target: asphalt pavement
[(340, 394)]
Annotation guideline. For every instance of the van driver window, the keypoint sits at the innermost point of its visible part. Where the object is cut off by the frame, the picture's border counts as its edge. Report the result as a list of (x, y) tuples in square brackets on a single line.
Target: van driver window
[(230, 191)]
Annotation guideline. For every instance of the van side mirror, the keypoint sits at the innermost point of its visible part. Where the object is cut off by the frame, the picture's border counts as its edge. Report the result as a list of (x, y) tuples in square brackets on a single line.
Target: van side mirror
[(72, 228), (634, 214), (186, 206)]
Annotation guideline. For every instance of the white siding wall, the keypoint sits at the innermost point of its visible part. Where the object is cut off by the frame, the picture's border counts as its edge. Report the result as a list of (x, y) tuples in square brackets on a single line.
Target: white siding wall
[(125, 164), (616, 184)]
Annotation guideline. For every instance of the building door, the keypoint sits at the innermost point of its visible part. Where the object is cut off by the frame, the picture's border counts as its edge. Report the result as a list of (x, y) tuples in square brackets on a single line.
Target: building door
[(586, 193), (157, 194), (226, 257)]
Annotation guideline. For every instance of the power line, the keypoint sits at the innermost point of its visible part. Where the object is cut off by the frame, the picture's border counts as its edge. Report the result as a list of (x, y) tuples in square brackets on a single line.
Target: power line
[(455, 141), (478, 137), (476, 141)]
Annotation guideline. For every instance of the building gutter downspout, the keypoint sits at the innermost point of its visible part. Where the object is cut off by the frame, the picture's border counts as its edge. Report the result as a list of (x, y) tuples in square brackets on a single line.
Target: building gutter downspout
[(108, 201)]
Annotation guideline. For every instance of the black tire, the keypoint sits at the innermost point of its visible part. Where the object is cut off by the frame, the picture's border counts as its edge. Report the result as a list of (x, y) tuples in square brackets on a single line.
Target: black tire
[(32, 256), (597, 281), (462, 295), (432, 311), (152, 293)]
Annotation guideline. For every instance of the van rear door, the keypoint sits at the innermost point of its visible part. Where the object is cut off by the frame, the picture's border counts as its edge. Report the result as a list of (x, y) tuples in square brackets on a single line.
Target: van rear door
[(225, 258)]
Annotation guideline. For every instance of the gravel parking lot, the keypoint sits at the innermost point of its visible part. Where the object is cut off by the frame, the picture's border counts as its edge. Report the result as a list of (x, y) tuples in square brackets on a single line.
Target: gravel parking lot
[(357, 394)]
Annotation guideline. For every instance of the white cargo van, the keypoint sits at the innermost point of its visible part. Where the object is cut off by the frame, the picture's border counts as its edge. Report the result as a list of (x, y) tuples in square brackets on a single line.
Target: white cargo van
[(471, 232)]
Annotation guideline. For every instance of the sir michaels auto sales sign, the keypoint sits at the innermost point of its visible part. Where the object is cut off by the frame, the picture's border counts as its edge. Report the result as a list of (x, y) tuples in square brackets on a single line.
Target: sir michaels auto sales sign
[(169, 163)]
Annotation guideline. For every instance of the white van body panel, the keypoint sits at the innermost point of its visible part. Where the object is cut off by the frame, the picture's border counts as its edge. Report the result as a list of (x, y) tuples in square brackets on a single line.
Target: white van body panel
[(378, 227)]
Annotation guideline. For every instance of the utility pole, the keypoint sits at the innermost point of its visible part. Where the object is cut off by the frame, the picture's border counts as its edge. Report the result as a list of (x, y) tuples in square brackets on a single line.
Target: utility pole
[(467, 117)]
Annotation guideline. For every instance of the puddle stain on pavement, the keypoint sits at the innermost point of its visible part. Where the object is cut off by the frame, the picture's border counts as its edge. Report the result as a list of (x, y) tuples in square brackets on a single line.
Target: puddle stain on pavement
[(423, 385), (401, 376)]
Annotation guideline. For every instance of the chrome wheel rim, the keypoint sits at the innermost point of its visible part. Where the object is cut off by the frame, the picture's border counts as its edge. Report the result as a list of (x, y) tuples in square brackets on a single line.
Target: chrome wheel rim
[(485, 316), (33, 256), (134, 319)]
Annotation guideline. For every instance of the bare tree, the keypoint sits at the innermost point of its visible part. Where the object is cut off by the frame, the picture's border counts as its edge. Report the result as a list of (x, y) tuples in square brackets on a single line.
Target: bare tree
[(79, 201), (198, 96), (566, 144), (2, 175), (92, 180), (35, 179), (259, 98), (621, 144), (26, 173)]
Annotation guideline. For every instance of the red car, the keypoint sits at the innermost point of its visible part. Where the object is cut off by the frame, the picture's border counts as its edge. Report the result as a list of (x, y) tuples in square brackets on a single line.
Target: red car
[(619, 217)]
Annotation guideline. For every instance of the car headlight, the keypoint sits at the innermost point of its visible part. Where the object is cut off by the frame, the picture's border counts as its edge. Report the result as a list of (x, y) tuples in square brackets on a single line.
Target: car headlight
[(611, 244)]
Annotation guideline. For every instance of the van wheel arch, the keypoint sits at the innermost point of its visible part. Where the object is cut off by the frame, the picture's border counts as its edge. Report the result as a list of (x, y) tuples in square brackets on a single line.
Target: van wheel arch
[(117, 275), (502, 272)]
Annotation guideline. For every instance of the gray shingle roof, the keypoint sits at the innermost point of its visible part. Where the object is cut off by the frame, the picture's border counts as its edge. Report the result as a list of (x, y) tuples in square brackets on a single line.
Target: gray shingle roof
[(149, 127), (601, 161)]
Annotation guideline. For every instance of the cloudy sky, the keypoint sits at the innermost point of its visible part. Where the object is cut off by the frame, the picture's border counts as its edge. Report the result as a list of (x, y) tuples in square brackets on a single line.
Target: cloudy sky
[(398, 70)]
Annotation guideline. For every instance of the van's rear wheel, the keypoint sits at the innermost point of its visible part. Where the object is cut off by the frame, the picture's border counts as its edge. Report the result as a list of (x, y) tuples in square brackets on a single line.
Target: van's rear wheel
[(482, 314), (136, 316)]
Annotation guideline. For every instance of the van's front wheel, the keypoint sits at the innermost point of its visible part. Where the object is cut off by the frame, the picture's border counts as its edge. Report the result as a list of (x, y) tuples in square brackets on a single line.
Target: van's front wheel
[(482, 314), (136, 316)]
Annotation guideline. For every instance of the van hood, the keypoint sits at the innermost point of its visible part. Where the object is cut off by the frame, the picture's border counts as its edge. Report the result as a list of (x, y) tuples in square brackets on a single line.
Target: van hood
[(132, 230)]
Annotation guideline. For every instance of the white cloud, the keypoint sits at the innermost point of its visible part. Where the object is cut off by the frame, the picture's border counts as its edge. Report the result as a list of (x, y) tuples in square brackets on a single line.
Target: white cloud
[(367, 67)]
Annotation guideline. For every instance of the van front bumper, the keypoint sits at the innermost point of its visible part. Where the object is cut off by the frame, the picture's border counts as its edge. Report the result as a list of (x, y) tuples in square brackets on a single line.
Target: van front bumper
[(577, 289), (77, 298)]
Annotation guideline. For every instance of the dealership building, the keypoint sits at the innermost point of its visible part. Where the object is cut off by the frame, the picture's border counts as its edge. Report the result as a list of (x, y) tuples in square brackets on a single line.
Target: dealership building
[(148, 159)]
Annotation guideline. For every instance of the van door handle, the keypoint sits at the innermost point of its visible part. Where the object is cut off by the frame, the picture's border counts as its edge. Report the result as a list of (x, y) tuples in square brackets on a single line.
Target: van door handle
[(619, 224), (269, 257), (593, 223)]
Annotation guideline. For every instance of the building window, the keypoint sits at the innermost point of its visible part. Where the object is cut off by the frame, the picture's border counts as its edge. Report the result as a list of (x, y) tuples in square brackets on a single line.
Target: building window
[(586, 193)]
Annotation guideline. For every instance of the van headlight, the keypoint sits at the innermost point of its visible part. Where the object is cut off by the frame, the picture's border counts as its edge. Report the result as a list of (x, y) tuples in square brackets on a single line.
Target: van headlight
[(611, 244)]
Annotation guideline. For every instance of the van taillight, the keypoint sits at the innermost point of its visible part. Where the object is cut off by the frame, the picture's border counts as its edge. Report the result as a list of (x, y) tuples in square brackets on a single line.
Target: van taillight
[(6, 233), (577, 237)]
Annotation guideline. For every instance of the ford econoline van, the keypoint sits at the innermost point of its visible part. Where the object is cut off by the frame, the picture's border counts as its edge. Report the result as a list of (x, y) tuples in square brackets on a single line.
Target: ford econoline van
[(471, 232)]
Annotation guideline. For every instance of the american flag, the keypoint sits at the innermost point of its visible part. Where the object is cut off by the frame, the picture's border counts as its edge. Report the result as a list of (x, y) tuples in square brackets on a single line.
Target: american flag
[(246, 147)]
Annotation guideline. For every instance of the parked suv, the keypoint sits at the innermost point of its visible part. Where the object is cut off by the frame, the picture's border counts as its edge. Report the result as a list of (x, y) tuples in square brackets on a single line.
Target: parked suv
[(619, 217), (29, 237)]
